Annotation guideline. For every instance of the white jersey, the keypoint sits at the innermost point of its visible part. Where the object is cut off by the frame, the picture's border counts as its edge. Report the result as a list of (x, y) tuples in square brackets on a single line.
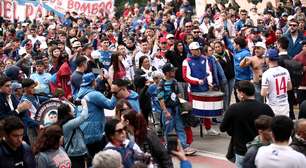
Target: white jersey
[(276, 80), (276, 156)]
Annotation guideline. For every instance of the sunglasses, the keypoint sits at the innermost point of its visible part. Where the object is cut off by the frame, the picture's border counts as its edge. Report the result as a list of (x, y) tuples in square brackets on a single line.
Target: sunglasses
[(196, 32), (293, 25), (121, 130)]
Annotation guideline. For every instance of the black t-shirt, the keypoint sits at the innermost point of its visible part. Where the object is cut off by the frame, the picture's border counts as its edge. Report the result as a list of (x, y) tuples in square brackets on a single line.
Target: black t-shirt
[(239, 120)]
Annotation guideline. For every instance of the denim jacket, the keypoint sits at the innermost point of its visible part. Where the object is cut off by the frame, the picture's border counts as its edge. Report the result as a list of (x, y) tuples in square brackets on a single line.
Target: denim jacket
[(93, 127), (77, 147)]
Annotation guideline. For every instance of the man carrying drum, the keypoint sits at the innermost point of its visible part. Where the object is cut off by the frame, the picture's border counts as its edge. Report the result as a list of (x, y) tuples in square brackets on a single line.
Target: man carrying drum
[(198, 72)]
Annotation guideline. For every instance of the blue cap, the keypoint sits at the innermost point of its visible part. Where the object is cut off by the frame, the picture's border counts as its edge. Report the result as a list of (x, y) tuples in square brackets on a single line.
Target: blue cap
[(88, 79), (272, 54)]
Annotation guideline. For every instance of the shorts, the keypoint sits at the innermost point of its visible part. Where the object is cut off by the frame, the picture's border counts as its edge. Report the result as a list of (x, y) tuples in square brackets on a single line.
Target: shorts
[(281, 109)]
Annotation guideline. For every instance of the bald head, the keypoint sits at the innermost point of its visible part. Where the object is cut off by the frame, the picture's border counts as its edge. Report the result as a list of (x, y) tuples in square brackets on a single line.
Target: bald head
[(300, 128)]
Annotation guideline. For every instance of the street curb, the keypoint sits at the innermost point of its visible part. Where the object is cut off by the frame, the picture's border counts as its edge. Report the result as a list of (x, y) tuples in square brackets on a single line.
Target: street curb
[(210, 155)]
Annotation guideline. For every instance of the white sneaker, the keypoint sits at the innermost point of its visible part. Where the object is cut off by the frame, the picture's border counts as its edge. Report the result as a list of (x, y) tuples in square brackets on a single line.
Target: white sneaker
[(212, 132)]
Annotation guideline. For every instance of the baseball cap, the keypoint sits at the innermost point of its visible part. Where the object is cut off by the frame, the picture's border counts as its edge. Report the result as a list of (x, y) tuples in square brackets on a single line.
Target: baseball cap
[(194, 46), (261, 44), (163, 40), (76, 44), (169, 36), (272, 54), (87, 79), (284, 14), (168, 67)]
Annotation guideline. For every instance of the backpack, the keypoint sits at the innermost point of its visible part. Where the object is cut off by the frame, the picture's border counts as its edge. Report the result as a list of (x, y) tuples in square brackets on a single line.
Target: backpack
[(127, 154), (295, 69), (174, 89)]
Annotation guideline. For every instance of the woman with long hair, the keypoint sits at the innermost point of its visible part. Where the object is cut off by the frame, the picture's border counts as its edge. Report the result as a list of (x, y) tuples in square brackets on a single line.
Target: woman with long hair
[(225, 58), (73, 137), (48, 151), (55, 54), (146, 138), (176, 58), (145, 68), (117, 69)]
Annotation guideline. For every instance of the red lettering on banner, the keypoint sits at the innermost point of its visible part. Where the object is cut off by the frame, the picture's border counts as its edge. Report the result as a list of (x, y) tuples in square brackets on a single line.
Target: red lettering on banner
[(16, 17), (39, 11), (108, 6), (70, 4), (85, 8), (102, 7), (29, 10), (77, 5), (0, 8), (94, 8), (7, 9)]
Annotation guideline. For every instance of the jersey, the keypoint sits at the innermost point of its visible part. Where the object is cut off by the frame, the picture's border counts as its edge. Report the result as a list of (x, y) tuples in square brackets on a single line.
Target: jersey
[(276, 80)]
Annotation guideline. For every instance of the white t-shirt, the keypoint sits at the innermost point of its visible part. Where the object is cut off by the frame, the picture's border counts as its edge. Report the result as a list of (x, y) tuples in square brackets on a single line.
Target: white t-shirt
[(276, 156), (276, 80)]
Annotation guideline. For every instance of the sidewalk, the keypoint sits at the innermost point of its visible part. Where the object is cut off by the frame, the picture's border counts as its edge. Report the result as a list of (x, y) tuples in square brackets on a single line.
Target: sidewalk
[(206, 160)]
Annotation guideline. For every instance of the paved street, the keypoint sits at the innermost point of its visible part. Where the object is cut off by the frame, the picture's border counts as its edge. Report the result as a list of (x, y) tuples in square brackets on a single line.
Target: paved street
[(212, 150)]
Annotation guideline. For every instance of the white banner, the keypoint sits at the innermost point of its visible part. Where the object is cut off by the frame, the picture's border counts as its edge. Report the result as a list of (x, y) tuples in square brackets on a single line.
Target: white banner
[(21, 9)]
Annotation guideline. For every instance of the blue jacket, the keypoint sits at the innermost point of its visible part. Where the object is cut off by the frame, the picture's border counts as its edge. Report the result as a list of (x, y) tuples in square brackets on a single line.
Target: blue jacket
[(219, 77), (152, 91), (133, 100), (239, 24), (240, 73), (93, 127), (185, 164), (197, 67), (294, 49), (77, 146)]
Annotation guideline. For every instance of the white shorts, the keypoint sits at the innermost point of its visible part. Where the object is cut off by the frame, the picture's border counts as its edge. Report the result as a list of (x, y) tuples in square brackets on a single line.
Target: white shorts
[(281, 109)]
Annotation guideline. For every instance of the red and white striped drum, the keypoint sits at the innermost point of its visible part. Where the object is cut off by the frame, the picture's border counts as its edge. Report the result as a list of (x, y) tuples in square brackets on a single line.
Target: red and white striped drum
[(207, 104)]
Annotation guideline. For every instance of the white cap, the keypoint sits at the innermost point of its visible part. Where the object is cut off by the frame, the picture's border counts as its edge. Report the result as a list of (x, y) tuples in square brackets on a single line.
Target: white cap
[(51, 27), (169, 36), (261, 44), (194, 46), (22, 51), (24, 24)]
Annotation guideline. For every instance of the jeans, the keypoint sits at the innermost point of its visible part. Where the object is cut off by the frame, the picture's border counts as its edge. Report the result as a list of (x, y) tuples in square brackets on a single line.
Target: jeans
[(258, 96), (227, 89), (238, 160), (175, 122)]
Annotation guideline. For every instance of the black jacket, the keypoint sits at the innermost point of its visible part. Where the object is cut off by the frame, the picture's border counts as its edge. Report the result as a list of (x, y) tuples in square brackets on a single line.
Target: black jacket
[(157, 150), (5, 109), (298, 145), (238, 122), (22, 156)]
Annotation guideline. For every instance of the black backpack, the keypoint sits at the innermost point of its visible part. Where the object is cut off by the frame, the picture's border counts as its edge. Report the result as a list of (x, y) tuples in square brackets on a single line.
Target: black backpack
[(295, 69)]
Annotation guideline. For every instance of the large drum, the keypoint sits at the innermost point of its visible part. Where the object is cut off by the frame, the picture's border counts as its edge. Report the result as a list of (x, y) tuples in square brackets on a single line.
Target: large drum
[(47, 112), (207, 104)]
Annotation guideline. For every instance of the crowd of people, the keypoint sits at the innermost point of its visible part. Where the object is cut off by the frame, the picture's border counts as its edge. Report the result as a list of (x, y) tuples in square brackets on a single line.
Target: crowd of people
[(150, 64)]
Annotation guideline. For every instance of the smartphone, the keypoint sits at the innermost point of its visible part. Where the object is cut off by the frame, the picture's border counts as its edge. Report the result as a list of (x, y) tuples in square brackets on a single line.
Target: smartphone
[(172, 143)]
